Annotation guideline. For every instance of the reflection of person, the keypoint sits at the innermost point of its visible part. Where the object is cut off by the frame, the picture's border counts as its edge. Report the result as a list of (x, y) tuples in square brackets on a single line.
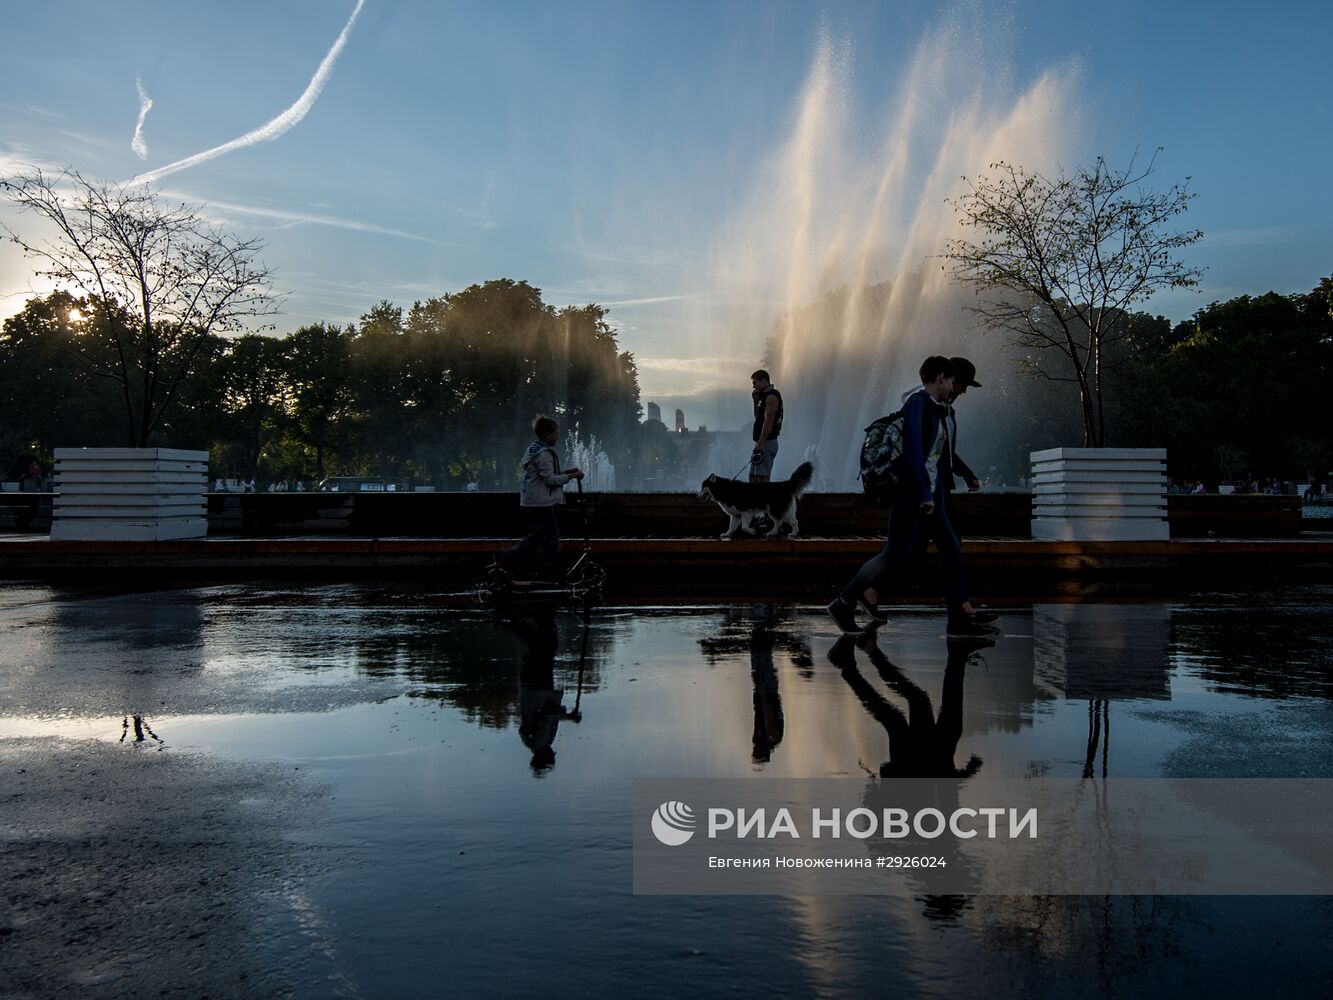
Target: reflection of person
[(760, 632), (542, 491), (540, 702), (769, 724), (921, 745), (767, 426), (918, 512)]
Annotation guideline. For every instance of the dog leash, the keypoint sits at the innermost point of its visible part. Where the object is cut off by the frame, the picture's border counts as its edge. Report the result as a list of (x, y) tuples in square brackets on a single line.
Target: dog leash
[(754, 459)]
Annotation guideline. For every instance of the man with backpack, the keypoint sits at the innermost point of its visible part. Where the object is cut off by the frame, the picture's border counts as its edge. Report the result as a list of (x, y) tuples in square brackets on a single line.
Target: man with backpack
[(919, 511)]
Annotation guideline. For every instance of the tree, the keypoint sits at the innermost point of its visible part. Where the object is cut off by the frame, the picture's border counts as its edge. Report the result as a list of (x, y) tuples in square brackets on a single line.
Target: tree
[(1059, 263), (315, 386), (161, 279), (252, 372)]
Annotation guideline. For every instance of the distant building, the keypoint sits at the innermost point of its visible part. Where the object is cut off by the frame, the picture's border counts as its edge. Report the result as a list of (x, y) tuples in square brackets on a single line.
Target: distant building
[(680, 421), (654, 412)]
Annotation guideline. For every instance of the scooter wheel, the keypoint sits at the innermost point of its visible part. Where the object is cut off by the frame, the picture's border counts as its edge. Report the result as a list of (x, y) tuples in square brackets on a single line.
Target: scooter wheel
[(589, 578), (496, 585)]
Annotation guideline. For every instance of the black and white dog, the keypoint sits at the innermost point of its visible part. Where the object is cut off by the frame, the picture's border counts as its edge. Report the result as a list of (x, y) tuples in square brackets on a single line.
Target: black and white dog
[(744, 501)]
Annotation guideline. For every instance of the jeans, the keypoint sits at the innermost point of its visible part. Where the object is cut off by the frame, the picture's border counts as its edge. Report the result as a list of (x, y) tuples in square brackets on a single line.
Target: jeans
[(537, 550), (910, 528)]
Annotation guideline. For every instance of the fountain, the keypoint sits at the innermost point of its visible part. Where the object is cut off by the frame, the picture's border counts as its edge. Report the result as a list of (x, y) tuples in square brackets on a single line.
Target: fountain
[(832, 260)]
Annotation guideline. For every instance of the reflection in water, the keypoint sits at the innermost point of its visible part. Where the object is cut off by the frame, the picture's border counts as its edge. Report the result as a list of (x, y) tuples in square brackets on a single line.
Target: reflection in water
[(1102, 653), (141, 727), (468, 662), (921, 745), (541, 703), (759, 631), (321, 677)]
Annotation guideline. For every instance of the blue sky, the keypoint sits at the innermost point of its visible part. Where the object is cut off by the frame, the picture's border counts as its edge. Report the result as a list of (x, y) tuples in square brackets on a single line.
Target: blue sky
[(612, 152)]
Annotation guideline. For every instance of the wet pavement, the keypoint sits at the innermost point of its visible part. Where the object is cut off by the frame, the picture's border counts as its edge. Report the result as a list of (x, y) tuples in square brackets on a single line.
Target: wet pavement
[(365, 791)]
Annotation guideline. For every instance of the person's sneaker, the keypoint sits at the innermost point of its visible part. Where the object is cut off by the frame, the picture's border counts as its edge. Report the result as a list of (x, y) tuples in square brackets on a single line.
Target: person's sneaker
[(840, 654), (844, 615), (964, 628), (984, 617), (871, 611)]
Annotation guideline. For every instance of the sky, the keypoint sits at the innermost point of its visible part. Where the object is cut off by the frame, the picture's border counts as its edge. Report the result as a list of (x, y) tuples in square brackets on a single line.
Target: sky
[(618, 153)]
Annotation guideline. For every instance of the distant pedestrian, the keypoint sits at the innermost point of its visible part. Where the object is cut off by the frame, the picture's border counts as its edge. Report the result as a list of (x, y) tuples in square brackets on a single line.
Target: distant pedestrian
[(767, 426), (919, 512), (543, 489), (34, 480)]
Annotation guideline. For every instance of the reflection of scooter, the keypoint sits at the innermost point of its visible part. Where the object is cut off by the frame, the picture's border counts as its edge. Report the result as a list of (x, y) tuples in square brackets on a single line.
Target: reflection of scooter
[(541, 703), (582, 582)]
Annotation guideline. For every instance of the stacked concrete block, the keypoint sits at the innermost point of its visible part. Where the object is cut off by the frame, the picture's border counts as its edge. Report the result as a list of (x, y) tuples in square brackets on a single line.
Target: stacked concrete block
[(1099, 494), (129, 494)]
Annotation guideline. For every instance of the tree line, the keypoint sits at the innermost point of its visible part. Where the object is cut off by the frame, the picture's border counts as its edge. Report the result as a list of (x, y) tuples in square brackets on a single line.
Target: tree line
[(442, 393)]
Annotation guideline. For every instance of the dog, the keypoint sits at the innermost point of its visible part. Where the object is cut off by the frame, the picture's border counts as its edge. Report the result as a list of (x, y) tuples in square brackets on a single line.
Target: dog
[(743, 501)]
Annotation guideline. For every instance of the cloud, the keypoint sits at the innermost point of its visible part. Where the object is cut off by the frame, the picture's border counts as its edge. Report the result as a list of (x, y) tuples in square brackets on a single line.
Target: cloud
[(272, 129), (622, 303), (289, 218), (1246, 237), (145, 103), (719, 367)]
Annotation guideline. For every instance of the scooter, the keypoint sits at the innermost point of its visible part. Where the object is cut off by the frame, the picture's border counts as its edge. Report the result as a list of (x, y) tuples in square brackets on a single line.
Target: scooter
[(581, 583)]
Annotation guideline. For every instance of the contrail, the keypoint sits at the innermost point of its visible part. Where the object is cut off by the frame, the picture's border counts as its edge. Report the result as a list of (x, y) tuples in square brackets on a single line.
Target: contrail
[(271, 129), (145, 102)]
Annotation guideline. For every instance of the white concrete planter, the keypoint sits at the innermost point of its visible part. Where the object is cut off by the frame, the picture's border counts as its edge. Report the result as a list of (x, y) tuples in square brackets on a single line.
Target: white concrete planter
[(1099, 494), (129, 494)]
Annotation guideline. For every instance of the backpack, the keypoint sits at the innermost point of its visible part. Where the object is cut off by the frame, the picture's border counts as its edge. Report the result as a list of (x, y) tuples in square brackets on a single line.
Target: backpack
[(882, 472)]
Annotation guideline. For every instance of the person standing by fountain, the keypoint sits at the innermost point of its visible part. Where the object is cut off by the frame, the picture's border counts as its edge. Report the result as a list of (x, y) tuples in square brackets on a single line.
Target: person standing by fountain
[(542, 491), (918, 512), (767, 426)]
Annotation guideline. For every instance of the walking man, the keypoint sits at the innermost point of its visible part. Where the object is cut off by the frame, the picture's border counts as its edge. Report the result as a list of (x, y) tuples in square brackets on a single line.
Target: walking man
[(919, 512)]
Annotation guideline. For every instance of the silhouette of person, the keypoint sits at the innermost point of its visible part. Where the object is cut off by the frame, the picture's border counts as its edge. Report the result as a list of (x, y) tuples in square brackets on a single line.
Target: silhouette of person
[(769, 725), (921, 745), (767, 634), (540, 702)]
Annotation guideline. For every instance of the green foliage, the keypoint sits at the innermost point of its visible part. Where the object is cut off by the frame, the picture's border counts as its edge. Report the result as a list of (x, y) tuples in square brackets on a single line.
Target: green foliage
[(444, 393), (1238, 389)]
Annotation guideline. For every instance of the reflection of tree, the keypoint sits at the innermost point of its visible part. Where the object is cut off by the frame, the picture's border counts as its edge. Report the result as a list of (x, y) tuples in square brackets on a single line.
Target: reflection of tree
[(759, 632), (1259, 652), (467, 661), (141, 727)]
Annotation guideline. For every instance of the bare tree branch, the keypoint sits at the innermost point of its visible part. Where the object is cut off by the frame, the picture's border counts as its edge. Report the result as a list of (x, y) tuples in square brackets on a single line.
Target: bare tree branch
[(1080, 251), (162, 280)]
